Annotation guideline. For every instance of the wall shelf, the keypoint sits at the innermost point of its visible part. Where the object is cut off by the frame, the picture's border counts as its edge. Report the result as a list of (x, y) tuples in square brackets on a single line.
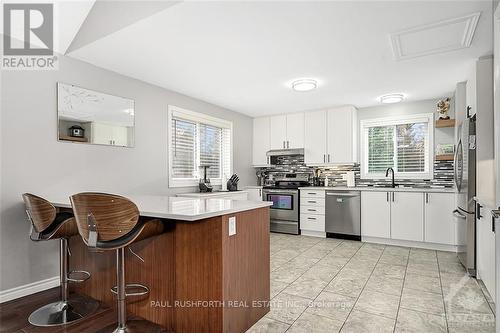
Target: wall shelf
[(445, 123), (445, 157), (71, 138)]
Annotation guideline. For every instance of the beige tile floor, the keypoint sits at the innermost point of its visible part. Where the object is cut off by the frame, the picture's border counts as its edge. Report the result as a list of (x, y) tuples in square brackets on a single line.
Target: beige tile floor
[(332, 285)]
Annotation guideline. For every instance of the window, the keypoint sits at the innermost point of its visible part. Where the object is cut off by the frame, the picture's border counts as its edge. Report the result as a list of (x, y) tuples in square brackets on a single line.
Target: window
[(197, 140), (404, 144)]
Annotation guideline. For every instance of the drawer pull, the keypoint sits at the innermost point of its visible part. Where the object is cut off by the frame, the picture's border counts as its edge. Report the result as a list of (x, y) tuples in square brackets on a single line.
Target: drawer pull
[(311, 218), (312, 193), (311, 201), (311, 210)]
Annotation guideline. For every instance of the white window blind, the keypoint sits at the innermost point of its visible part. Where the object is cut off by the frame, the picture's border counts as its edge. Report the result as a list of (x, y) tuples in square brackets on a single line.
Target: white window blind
[(183, 149), (198, 140), (403, 144), (380, 148)]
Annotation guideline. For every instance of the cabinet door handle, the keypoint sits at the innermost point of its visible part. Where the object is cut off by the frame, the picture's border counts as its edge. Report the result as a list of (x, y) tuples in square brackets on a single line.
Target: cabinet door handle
[(288, 144), (324, 158), (283, 144), (387, 196), (426, 197), (393, 196)]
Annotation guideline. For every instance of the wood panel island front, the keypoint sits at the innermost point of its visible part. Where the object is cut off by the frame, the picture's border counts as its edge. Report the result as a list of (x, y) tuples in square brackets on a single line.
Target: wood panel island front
[(201, 278)]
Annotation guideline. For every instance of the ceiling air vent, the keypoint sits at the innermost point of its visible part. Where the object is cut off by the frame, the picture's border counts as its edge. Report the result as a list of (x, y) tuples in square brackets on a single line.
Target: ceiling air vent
[(444, 36)]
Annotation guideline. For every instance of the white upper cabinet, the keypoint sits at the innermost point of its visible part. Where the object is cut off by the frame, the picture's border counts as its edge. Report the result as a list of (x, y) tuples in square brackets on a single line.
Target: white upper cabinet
[(407, 216), (342, 135), (278, 132), (331, 136), (287, 131), (315, 137), (106, 134), (440, 224), (295, 130), (261, 140)]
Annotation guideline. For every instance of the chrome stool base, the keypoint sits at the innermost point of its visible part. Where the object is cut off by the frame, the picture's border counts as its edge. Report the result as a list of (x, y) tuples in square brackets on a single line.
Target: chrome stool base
[(135, 326), (61, 313)]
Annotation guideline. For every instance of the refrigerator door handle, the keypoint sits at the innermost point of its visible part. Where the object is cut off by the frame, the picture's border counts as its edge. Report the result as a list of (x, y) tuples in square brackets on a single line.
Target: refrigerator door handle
[(458, 214), (455, 165)]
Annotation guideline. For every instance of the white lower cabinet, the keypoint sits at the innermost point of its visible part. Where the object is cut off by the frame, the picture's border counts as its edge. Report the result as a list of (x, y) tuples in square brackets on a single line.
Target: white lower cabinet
[(375, 214), (440, 224), (312, 212), (407, 216), (312, 222)]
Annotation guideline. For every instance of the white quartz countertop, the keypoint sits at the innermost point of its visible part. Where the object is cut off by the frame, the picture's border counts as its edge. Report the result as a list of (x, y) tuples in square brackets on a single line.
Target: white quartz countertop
[(210, 194), (380, 189), (176, 208)]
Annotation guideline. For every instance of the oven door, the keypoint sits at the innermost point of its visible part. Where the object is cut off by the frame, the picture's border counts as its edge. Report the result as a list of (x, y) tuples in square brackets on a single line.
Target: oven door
[(285, 204)]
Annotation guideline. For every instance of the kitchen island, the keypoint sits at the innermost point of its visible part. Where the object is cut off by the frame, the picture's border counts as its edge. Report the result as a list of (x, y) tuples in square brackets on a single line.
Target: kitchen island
[(201, 277)]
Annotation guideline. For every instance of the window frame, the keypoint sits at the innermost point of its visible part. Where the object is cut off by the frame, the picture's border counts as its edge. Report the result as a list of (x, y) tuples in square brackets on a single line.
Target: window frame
[(394, 121), (197, 117)]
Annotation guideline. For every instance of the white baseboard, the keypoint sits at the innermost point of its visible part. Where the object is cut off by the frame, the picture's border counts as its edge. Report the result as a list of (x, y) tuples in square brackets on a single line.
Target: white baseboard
[(405, 243), (312, 233), (28, 289)]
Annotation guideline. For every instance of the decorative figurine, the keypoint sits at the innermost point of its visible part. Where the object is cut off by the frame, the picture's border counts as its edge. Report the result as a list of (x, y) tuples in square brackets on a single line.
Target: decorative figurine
[(443, 106)]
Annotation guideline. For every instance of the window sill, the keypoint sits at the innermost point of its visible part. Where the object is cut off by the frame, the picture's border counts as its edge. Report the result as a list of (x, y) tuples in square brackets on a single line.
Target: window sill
[(173, 183)]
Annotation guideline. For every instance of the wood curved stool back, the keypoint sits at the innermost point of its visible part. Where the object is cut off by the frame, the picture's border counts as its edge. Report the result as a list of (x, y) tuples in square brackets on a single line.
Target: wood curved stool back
[(111, 216), (41, 212)]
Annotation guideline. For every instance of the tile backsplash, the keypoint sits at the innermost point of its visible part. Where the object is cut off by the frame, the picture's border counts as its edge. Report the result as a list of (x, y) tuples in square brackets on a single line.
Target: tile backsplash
[(443, 173)]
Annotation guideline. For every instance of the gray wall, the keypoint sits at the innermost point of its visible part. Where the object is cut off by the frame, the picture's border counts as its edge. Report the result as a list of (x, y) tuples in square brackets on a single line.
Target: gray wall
[(441, 135), (32, 160)]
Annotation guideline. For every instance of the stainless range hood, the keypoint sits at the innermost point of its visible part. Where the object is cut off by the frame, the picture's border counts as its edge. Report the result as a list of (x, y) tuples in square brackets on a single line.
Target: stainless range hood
[(285, 152)]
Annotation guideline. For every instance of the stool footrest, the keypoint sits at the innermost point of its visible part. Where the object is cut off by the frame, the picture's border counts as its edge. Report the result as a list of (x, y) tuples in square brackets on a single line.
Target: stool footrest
[(86, 276), (145, 290)]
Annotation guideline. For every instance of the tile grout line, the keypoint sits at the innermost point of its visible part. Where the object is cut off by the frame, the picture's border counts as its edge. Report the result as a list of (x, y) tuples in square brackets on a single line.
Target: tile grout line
[(342, 268), (364, 285), (321, 289), (442, 294), (402, 289), (281, 291)]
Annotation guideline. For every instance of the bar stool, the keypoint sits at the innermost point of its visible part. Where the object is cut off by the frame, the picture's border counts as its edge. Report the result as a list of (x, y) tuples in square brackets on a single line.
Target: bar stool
[(48, 224), (110, 222)]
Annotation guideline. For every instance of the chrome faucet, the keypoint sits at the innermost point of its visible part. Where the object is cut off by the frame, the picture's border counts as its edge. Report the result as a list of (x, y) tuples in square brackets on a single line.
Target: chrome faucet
[(387, 174)]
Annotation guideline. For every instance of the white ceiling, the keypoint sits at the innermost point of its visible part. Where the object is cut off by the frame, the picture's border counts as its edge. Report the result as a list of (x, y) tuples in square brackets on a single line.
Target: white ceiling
[(242, 55)]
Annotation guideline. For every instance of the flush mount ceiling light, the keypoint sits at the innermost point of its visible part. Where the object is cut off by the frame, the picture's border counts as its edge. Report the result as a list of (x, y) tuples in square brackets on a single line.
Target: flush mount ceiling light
[(391, 98), (304, 85)]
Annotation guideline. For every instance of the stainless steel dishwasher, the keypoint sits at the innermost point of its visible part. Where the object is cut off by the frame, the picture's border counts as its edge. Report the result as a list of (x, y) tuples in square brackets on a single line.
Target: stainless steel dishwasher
[(343, 214)]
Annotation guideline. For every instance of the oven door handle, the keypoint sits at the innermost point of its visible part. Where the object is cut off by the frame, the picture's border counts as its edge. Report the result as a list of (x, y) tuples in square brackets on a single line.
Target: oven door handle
[(281, 191)]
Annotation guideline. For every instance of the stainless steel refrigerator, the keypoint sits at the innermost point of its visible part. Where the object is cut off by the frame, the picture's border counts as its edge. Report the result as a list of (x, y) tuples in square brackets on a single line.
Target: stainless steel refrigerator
[(465, 182)]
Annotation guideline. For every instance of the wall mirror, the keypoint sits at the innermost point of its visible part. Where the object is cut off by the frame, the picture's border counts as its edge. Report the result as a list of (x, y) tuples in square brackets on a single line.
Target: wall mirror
[(88, 116)]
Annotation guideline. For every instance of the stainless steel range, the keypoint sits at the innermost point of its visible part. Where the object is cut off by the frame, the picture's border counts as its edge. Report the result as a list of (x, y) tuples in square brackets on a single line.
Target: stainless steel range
[(284, 195)]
